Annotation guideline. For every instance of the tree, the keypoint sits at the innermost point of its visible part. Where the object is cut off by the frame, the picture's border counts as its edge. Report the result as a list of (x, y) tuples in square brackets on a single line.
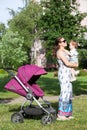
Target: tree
[(25, 22), (61, 18), (12, 54), (2, 30), (26, 2)]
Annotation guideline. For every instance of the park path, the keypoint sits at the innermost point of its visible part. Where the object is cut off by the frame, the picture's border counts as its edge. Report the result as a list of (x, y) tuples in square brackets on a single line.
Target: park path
[(22, 99)]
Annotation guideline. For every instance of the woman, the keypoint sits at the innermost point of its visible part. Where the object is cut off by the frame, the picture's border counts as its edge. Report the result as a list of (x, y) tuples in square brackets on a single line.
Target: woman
[(64, 66)]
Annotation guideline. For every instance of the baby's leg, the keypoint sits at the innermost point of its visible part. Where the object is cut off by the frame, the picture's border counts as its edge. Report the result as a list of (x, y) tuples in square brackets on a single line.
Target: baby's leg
[(73, 78), (73, 72)]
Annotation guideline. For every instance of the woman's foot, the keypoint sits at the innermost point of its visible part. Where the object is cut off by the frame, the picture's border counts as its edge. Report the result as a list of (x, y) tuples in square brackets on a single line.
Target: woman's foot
[(71, 117), (62, 118)]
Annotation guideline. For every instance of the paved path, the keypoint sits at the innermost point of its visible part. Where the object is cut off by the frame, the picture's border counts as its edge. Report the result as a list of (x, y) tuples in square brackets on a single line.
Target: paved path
[(21, 99)]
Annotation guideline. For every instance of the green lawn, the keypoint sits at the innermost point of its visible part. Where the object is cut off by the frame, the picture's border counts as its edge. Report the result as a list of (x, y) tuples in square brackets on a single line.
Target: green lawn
[(50, 86)]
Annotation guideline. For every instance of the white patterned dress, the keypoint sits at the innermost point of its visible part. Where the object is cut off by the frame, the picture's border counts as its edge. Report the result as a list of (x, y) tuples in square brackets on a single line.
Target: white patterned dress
[(65, 98)]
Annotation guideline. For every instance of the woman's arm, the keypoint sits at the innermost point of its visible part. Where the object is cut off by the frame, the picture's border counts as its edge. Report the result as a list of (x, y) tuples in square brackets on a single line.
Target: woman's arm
[(60, 55)]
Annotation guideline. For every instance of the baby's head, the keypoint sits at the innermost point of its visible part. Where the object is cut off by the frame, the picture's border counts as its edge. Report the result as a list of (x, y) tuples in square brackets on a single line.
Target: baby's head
[(73, 44)]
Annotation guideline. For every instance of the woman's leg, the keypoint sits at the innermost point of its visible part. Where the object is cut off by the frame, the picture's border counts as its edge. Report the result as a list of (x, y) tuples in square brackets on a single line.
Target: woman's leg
[(65, 100)]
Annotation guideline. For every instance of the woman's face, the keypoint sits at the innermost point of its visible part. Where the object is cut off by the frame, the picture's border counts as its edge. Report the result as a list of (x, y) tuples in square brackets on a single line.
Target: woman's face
[(63, 42)]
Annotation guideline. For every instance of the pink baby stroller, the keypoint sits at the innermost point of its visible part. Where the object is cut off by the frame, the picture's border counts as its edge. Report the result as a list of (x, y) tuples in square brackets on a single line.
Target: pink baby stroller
[(24, 84)]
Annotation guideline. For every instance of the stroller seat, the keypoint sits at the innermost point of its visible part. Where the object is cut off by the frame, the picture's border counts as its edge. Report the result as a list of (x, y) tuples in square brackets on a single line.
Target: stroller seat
[(35, 89), (14, 86)]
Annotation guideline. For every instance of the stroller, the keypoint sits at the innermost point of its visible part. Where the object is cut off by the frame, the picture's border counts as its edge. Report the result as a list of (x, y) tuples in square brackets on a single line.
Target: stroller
[(24, 84)]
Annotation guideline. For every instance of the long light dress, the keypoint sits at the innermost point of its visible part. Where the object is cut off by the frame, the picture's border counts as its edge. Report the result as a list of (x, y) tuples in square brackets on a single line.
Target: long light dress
[(65, 98)]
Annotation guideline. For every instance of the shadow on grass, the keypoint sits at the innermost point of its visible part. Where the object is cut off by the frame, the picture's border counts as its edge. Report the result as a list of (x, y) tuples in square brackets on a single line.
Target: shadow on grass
[(3, 81), (50, 86), (80, 88), (5, 100)]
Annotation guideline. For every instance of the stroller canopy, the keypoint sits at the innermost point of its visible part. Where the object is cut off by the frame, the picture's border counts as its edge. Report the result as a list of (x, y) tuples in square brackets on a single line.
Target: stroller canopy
[(26, 72)]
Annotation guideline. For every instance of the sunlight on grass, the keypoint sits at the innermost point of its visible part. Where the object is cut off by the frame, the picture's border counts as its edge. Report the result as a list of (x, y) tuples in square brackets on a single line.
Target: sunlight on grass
[(78, 123), (49, 84)]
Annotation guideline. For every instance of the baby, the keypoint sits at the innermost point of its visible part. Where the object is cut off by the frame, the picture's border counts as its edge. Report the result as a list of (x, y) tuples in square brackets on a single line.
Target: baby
[(73, 58)]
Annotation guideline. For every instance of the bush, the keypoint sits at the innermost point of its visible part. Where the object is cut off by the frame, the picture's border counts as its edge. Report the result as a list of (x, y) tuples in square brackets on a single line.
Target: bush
[(2, 71), (83, 72)]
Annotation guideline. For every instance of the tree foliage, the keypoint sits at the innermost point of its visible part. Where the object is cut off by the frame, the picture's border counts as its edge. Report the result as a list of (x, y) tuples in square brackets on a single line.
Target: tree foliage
[(12, 54), (61, 18), (25, 22), (2, 30)]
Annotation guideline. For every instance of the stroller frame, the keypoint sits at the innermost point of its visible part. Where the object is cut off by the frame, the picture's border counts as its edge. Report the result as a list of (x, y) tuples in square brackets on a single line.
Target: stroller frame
[(50, 112), (29, 97)]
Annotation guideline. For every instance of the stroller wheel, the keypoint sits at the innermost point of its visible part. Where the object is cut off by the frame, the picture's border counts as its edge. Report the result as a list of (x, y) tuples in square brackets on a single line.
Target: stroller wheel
[(17, 118), (46, 120)]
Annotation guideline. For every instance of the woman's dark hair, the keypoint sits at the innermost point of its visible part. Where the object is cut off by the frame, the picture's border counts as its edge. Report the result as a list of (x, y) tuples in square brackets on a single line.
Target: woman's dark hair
[(56, 46)]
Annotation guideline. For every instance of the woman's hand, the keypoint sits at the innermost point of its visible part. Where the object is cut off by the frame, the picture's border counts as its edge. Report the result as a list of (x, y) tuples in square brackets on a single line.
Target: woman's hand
[(75, 64)]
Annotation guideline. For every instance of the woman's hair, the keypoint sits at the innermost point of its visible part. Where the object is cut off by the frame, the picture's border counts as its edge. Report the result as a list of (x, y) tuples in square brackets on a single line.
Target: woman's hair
[(75, 44), (56, 45)]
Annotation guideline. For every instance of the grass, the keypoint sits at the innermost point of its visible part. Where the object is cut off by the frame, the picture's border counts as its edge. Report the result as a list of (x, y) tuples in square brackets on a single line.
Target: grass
[(50, 86), (3, 92), (79, 123)]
